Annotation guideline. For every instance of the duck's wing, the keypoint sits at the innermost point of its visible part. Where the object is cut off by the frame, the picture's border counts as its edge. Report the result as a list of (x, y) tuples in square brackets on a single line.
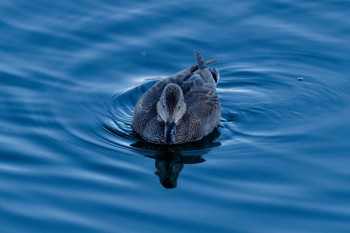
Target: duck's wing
[(191, 82), (202, 114), (202, 102), (196, 81)]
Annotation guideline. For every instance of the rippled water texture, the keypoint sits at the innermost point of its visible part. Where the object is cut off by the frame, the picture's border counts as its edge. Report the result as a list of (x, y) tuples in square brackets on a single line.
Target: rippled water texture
[(72, 71)]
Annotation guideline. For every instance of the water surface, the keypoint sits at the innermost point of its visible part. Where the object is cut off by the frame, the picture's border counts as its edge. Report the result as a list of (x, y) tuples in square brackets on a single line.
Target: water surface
[(71, 73)]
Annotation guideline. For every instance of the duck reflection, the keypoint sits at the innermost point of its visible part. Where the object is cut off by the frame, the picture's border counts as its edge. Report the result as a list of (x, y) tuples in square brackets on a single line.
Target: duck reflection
[(169, 165), (170, 160)]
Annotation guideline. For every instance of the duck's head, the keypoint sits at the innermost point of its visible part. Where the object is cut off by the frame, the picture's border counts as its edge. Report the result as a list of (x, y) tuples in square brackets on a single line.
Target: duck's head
[(171, 107)]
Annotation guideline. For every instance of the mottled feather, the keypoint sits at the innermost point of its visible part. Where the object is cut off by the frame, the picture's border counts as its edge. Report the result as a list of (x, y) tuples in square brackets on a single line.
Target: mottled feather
[(203, 111)]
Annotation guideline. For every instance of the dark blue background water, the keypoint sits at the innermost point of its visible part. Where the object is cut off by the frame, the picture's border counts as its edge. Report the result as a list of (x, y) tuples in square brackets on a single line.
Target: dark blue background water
[(71, 72)]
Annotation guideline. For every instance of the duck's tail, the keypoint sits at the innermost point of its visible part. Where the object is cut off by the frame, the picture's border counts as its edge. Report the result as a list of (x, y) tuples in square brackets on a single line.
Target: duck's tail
[(200, 62), (208, 62), (200, 66), (209, 75)]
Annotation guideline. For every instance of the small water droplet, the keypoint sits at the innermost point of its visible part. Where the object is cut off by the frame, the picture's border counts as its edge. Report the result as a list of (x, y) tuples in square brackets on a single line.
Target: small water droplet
[(300, 78)]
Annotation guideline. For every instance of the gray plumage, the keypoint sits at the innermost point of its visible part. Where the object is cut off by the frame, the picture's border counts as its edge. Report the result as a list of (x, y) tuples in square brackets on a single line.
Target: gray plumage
[(181, 108)]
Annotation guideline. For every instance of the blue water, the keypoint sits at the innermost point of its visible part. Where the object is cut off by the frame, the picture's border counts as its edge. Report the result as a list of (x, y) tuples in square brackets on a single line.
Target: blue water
[(72, 71)]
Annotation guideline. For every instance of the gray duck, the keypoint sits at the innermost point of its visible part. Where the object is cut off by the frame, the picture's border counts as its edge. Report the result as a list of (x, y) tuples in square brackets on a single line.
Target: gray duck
[(181, 108)]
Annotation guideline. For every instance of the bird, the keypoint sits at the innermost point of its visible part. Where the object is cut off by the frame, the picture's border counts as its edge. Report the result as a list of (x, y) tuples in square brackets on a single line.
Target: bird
[(181, 108)]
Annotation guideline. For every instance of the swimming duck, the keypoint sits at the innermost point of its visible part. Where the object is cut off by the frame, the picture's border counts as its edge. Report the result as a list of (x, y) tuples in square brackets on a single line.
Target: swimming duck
[(181, 108)]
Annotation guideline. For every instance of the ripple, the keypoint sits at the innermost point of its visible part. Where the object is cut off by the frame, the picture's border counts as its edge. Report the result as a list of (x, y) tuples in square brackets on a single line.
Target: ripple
[(257, 103), (69, 157), (119, 122)]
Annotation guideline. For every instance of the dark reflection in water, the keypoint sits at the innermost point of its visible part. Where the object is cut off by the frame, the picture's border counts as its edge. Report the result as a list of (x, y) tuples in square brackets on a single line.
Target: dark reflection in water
[(170, 160), (169, 165)]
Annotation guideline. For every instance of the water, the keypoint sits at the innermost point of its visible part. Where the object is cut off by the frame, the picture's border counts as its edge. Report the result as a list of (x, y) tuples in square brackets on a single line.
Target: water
[(71, 72)]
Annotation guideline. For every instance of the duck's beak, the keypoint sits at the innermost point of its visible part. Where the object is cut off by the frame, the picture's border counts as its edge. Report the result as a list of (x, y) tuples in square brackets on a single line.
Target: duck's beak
[(169, 133)]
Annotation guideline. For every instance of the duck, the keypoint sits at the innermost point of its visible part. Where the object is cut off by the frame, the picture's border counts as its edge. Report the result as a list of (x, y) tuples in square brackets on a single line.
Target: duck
[(181, 108)]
